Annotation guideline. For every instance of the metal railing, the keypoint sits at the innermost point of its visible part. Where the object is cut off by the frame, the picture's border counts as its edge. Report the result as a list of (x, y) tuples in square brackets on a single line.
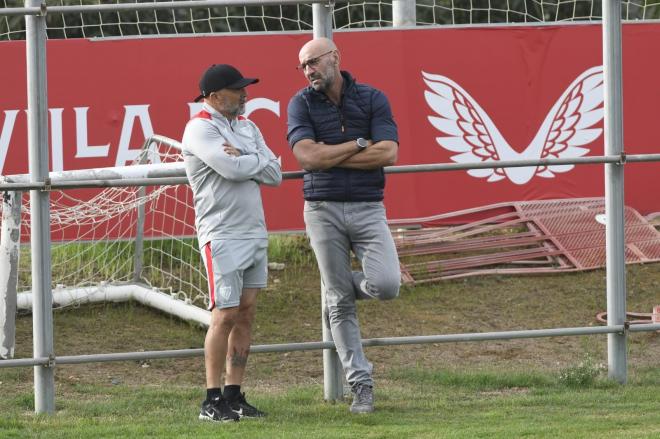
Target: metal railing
[(174, 174), (328, 345)]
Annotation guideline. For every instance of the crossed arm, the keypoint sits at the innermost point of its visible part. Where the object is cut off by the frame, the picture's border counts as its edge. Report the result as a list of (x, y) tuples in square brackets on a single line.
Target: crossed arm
[(271, 174), (313, 156), (206, 142)]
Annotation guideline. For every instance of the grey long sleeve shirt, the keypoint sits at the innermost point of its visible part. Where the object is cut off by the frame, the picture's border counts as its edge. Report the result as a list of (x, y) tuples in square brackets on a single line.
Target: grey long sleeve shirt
[(226, 190)]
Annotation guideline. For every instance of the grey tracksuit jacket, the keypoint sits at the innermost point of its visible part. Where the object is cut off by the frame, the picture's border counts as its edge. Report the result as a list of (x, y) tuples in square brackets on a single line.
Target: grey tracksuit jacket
[(226, 191)]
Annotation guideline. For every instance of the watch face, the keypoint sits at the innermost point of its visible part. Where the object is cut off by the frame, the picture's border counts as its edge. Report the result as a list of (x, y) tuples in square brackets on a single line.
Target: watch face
[(362, 143)]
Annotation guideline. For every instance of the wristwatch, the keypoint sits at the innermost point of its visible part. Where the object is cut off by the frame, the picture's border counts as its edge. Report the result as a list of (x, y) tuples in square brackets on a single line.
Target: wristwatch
[(361, 143)]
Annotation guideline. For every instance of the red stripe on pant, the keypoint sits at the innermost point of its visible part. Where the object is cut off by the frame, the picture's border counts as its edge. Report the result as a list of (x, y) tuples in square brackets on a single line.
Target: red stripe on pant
[(209, 273)]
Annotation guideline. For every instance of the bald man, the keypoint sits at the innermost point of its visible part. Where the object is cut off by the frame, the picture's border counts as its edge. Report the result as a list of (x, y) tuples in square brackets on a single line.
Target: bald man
[(343, 134)]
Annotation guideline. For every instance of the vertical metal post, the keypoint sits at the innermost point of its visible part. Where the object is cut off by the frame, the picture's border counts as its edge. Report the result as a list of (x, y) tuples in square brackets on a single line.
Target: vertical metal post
[(333, 374), (138, 257), (614, 195), (322, 19), (10, 241), (42, 307), (332, 371), (404, 13)]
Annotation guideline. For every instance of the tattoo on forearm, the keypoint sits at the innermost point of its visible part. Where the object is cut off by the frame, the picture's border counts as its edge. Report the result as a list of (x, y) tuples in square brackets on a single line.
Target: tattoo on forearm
[(238, 358)]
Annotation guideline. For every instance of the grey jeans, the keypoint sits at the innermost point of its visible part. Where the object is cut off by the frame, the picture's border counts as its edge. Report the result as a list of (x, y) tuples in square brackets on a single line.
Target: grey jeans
[(334, 229)]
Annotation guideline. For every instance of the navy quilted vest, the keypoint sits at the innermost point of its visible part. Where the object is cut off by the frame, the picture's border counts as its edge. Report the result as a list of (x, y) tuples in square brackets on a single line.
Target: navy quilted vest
[(338, 124)]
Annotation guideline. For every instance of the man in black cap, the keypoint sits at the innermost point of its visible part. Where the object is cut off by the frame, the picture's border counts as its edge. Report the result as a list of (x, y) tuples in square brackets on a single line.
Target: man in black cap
[(226, 159)]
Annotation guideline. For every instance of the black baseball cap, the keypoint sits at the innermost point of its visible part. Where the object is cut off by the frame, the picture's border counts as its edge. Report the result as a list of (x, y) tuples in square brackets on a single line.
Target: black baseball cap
[(220, 76)]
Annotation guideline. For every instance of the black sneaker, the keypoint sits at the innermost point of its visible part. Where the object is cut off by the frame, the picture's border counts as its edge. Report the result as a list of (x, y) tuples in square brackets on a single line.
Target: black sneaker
[(217, 410), (363, 399), (241, 407)]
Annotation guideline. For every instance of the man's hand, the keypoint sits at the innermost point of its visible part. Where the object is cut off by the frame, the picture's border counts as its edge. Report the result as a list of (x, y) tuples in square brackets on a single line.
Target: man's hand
[(230, 150), (376, 155), (313, 156)]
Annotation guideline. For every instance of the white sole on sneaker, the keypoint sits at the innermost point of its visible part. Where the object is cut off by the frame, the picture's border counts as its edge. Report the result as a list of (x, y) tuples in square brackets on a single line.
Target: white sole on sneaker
[(362, 411), (210, 419)]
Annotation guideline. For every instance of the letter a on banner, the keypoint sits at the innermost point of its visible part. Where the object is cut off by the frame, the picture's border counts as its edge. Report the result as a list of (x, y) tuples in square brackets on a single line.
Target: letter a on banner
[(125, 153)]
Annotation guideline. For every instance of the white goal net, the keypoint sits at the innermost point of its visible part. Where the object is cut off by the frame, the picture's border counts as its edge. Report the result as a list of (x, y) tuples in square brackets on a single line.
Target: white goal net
[(276, 18), (122, 235)]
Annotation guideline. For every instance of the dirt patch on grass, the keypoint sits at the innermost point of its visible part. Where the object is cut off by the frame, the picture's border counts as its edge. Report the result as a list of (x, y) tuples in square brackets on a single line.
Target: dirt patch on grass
[(508, 391)]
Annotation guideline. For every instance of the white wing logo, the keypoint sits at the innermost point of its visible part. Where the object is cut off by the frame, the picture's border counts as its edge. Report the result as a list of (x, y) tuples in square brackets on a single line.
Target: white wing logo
[(469, 131)]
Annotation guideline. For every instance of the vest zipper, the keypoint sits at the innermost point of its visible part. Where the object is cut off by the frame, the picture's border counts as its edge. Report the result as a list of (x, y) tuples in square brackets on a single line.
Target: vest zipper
[(341, 119)]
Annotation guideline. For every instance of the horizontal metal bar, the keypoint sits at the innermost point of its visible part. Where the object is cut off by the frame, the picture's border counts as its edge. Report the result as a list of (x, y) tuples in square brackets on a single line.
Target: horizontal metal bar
[(147, 355), (129, 356), (24, 362), (504, 164), (591, 160), (485, 336), (644, 327), (438, 167), (147, 170), (183, 353), (82, 184), (127, 7), (642, 158), (7, 12), (307, 346)]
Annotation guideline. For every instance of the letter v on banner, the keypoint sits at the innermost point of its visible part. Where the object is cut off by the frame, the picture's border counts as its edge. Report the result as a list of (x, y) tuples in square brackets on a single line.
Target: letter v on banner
[(5, 136), (125, 153)]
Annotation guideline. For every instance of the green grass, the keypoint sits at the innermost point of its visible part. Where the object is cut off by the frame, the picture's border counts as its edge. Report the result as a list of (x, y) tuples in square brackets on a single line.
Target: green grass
[(551, 387), (108, 260), (413, 404), (291, 249), (172, 265)]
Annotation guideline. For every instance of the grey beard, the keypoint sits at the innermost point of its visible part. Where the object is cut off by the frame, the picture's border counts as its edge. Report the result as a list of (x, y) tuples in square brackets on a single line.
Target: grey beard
[(236, 111), (325, 83), (322, 86)]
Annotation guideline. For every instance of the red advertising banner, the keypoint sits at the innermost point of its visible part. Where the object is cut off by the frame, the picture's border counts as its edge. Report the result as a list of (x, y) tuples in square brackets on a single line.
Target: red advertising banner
[(458, 95)]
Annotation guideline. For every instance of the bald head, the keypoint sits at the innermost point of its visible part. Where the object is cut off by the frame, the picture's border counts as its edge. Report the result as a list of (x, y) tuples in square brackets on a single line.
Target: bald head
[(319, 62), (316, 47)]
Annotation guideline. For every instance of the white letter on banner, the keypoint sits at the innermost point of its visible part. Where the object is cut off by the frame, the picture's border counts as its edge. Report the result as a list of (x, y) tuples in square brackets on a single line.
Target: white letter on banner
[(195, 107), (7, 129), (125, 153), (262, 104), (250, 106), (56, 141), (83, 150)]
